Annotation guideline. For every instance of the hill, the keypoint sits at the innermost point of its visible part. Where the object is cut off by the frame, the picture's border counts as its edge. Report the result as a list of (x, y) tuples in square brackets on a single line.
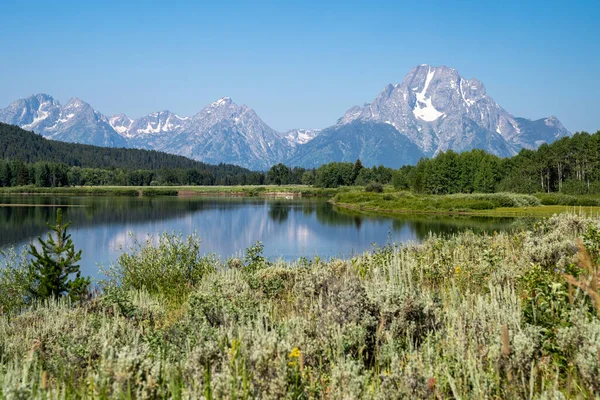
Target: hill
[(17, 143)]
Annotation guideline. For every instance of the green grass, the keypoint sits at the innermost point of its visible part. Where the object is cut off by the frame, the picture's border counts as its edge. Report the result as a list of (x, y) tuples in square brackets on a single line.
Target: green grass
[(464, 316), (554, 199)]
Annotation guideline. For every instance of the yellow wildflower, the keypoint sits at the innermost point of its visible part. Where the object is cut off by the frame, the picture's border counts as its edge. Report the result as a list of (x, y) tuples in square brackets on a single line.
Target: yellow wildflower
[(457, 270), (295, 353)]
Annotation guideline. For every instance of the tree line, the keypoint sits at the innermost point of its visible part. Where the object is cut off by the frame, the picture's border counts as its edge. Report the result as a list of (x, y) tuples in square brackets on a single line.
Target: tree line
[(570, 165), (330, 175), (51, 174)]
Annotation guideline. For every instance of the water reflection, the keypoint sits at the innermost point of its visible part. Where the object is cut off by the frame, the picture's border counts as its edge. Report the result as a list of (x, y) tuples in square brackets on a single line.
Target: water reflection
[(289, 229)]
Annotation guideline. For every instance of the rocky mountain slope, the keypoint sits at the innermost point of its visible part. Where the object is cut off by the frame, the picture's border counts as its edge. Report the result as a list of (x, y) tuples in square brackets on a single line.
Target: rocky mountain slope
[(439, 110)]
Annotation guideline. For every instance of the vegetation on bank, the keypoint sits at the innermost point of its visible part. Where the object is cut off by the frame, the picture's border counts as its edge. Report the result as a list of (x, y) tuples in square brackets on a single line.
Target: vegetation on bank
[(506, 315), (246, 190), (392, 201)]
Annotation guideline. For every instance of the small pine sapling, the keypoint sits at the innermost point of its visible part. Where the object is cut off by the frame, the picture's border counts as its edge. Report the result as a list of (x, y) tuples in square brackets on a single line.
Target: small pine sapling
[(55, 264)]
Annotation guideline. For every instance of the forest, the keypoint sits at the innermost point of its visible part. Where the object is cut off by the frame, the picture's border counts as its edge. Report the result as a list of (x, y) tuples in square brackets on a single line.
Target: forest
[(570, 165), (30, 159)]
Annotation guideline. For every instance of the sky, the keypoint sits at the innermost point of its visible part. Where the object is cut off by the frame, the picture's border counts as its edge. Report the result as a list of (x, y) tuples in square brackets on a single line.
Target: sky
[(299, 64)]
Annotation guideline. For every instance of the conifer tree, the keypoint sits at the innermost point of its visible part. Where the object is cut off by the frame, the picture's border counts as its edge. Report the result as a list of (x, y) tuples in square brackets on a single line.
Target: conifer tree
[(356, 170), (53, 266)]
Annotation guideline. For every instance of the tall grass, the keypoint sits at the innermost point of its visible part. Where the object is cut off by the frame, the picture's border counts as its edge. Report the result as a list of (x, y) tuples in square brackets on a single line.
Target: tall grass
[(466, 316)]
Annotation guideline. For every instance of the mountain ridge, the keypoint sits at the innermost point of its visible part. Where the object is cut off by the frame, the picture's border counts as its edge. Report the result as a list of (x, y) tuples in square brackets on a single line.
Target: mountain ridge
[(435, 108)]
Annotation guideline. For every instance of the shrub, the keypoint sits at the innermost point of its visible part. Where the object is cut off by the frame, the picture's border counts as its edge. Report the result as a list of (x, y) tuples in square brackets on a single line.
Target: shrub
[(16, 279), (171, 268), (374, 187), (151, 192)]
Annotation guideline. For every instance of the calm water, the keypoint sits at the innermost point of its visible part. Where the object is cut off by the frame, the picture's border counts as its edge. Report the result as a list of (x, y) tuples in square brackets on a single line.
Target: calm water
[(289, 229)]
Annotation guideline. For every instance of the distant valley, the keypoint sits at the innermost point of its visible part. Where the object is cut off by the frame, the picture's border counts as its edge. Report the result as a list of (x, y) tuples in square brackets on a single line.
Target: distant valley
[(433, 109)]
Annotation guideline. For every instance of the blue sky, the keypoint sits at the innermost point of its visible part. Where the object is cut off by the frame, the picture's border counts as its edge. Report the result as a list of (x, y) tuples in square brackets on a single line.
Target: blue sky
[(299, 64)]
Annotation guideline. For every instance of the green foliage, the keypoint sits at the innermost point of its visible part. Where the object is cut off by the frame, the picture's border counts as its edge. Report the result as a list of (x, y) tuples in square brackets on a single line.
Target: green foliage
[(151, 192), (374, 187), (16, 278), (337, 174), (569, 166), (308, 178), (366, 200), (254, 259), (53, 267), (168, 266), (279, 174)]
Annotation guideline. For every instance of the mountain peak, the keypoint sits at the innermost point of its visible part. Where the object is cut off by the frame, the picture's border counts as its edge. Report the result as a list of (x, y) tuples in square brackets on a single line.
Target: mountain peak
[(222, 102), (75, 102), (439, 110)]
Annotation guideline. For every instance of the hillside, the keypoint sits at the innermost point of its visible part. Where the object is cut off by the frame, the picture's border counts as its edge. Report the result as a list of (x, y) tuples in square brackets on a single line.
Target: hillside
[(17, 143)]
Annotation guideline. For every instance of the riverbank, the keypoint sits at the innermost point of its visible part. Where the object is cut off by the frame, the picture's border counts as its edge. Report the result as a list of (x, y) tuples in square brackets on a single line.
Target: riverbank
[(249, 191), (463, 316), (356, 198), (493, 204)]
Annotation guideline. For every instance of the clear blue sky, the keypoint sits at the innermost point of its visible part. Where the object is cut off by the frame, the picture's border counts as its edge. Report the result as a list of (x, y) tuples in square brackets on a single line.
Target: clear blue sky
[(299, 64)]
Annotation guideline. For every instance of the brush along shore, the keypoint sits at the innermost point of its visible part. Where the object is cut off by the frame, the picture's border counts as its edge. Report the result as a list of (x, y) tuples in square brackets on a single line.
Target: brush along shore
[(506, 315)]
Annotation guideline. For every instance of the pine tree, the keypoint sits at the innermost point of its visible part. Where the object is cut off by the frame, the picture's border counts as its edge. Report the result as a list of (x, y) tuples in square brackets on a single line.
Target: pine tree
[(356, 170), (52, 267)]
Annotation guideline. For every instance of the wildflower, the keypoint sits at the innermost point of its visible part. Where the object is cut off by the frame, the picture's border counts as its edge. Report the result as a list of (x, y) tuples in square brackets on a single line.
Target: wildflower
[(294, 355), (457, 270)]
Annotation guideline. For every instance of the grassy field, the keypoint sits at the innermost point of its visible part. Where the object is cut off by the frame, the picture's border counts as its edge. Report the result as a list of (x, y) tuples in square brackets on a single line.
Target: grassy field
[(466, 316)]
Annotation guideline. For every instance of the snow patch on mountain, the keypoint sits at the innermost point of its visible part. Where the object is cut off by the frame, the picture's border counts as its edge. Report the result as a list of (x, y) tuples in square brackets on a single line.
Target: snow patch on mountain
[(424, 109)]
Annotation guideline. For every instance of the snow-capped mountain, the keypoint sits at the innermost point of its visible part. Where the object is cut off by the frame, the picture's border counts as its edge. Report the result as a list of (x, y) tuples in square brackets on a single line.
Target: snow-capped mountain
[(226, 132), (222, 132), (439, 110), (162, 122), (34, 112), (434, 109), (76, 121), (296, 137)]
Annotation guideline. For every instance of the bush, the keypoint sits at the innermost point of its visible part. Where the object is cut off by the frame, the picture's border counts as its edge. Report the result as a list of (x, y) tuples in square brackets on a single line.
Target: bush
[(147, 192), (171, 268), (374, 187), (15, 280)]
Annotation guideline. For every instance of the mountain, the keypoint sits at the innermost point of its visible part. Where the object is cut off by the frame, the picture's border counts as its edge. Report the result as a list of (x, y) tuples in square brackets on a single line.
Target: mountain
[(374, 143), (296, 137), (75, 122), (434, 109), (222, 132), (226, 132), (439, 110)]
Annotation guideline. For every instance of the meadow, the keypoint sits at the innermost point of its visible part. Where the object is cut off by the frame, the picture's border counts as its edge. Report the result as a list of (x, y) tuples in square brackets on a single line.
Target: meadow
[(504, 315)]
